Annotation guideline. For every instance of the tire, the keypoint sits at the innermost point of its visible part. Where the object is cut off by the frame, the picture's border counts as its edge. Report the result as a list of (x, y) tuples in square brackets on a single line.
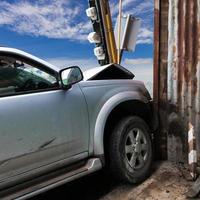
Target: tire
[(130, 150)]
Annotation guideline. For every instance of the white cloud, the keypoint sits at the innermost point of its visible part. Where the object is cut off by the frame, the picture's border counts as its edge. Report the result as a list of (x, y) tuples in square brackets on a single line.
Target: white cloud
[(145, 36), (140, 9), (139, 61), (144, 7), (143, 70), (115, 7), (84, 64), (145, 33), (66, 19), (50, 18)]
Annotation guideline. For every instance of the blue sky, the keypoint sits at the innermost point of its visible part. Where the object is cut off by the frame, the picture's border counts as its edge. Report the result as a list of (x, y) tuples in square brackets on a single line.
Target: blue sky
[(56, 30)]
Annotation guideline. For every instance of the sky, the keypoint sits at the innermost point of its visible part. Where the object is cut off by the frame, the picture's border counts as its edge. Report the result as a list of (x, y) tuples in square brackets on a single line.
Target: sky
[(57, 30)]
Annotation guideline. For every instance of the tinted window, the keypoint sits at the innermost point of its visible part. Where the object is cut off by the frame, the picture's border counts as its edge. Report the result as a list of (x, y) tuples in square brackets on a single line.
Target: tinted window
[(19, 77)]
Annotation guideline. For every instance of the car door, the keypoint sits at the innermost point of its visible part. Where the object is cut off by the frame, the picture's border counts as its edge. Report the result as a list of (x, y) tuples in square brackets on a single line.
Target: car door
[(40, 124)]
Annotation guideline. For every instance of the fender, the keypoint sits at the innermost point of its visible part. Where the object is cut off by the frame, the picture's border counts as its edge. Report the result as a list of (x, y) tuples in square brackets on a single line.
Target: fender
[(105, 112)]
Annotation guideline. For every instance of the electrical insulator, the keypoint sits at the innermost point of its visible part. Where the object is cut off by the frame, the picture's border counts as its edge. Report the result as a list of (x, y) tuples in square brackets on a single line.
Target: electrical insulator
[(99, 53), (94, 38), (92, 13), (96, 12)]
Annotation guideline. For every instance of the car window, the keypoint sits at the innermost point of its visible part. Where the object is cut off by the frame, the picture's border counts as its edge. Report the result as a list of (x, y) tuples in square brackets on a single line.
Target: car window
[(19, 77)]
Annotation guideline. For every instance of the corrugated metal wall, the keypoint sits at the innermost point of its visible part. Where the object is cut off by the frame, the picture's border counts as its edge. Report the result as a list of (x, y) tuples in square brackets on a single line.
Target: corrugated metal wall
[(177, 75)]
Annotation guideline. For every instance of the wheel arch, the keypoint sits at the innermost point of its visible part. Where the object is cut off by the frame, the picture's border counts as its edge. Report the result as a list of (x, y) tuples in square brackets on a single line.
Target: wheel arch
[(108, 110)]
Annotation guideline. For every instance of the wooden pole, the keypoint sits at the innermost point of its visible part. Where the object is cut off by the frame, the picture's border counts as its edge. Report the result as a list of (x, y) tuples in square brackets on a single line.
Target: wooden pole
[(119, 32)]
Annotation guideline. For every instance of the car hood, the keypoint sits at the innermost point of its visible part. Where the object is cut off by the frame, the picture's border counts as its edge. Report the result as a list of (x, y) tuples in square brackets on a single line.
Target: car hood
[(111, 71)]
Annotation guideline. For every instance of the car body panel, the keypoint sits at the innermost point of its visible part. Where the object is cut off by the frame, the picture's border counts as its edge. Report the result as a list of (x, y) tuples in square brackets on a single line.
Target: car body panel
[(42, 129), (31, 123), (100, 102)]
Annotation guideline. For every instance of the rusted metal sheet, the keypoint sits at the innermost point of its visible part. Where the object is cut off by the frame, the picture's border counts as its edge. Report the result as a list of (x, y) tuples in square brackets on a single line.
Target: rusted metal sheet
[(156, 52), (160, 67), (183, 72), (182, 100)]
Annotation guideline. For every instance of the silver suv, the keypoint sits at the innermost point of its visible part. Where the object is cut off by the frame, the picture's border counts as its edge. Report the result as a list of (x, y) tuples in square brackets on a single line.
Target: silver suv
[(56, 127)]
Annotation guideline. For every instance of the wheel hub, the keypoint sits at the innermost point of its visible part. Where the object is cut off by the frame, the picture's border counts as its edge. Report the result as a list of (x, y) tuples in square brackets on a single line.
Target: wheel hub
[(136, 148)]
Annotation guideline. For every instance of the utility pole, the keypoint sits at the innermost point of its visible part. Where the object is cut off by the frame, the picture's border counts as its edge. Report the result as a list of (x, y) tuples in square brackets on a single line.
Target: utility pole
[(126, 30), (103, 35)]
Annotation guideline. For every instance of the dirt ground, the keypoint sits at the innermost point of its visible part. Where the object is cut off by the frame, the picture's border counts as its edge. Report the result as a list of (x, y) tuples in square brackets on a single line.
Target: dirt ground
[(166, 183)]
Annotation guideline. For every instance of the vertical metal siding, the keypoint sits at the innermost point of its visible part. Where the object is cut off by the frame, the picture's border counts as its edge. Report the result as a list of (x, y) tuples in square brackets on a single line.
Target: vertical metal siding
[(184, 62), (183, 74)]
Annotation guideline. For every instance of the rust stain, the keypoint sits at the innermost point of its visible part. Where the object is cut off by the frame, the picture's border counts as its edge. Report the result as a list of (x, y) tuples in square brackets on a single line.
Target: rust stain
[(156, 51), (183, 66)]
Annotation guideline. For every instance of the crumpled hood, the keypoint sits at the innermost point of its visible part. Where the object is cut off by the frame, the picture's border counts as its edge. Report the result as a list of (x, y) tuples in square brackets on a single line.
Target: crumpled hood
[(111, 71)]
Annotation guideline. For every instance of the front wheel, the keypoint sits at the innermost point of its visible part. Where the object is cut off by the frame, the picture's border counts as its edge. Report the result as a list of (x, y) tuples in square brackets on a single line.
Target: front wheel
[(130, 150)]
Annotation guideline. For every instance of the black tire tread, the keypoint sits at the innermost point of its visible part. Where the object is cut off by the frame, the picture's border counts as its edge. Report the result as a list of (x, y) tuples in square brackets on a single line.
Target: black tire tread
[(116, 166)]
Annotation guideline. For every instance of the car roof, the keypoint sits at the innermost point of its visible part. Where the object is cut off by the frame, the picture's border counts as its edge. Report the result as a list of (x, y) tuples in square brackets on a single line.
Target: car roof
[(27, 55)]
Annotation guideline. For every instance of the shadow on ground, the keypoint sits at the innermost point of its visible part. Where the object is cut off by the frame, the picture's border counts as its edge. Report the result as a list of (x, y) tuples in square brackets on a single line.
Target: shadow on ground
[(92, 187), (167, 182)]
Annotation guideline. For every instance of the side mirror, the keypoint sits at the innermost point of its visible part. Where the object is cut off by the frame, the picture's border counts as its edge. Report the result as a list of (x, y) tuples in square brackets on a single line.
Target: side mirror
[(70, 76)]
